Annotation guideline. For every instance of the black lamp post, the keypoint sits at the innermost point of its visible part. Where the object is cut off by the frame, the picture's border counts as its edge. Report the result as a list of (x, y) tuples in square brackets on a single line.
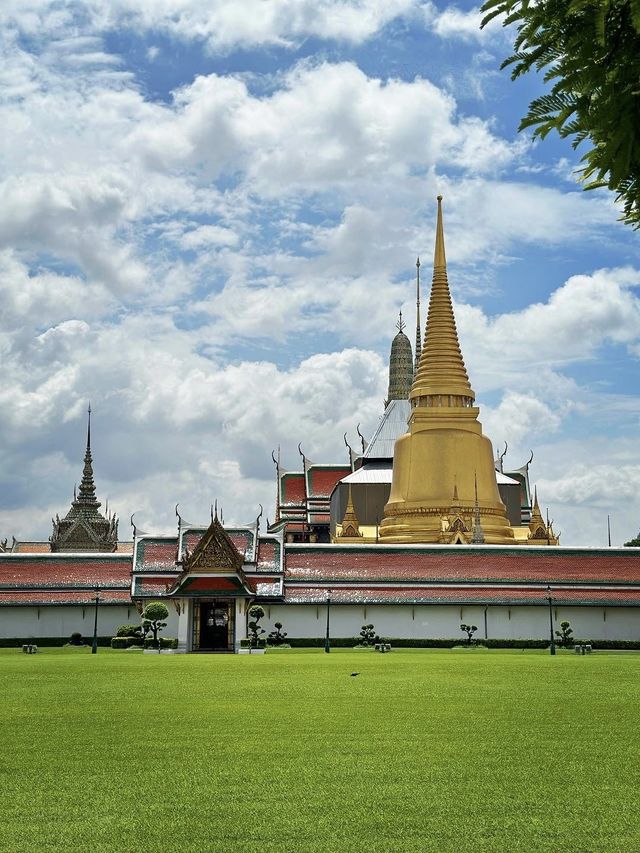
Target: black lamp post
[(552, 647), (327, 645), (94, 645)]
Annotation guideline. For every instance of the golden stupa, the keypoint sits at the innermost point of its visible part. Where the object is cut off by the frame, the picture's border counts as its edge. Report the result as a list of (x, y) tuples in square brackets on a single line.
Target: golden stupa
[(444, 485)]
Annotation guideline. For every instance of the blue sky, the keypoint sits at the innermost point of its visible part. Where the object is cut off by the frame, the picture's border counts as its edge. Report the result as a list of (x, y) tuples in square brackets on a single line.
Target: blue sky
[(210, 218)]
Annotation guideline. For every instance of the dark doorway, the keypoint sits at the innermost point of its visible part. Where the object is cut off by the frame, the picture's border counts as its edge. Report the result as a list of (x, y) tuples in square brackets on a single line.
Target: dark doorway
[(216, 626)]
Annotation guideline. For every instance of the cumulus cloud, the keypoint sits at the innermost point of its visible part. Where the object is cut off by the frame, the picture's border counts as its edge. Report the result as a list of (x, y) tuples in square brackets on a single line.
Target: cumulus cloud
[(222, 24), (219, 270)]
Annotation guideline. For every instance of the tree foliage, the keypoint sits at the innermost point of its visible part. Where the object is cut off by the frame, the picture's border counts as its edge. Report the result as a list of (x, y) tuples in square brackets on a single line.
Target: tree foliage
[(633, 543), (590, 53), (255, 629), (153, 617), (565, 635), (277, 637), (368, 635), (469, 631)]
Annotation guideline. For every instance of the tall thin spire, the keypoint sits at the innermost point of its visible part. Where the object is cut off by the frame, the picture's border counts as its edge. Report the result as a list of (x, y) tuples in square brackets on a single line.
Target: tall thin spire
[(441, 378), (87, 492), (418, 331), (84, 528), (350, 523), (477, 536)]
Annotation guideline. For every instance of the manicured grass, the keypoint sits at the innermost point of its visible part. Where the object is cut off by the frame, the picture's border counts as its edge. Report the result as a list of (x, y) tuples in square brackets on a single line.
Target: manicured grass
[(437, 751)]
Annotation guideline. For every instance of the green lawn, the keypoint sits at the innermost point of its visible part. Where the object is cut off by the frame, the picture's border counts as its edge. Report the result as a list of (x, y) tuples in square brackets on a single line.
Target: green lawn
[(439, 751)]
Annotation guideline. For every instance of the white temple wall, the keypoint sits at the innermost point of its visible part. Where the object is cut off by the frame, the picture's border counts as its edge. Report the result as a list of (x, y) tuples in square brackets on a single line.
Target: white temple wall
[(62, 621), (443, 621), (401, 621)]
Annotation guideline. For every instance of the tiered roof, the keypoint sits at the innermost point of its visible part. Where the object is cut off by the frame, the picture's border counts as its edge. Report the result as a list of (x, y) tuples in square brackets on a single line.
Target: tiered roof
[(368, 574), (84, 528), (64, 578)]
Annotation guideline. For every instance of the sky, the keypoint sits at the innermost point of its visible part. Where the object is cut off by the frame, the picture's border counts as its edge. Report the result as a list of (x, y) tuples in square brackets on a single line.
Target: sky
[(210, 212)]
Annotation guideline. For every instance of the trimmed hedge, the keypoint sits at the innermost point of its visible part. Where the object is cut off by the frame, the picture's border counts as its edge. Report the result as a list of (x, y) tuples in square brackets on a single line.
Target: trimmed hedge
[(125, 642), (56, 642), (165, 643), (437, 643)]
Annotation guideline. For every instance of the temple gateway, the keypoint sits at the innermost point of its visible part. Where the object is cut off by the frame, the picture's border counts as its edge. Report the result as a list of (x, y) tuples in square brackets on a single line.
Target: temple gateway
[(421, 529)]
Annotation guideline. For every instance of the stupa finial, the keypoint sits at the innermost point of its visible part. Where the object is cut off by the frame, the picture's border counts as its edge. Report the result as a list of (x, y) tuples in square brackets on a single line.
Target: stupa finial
[(441, 378), (418, 330)]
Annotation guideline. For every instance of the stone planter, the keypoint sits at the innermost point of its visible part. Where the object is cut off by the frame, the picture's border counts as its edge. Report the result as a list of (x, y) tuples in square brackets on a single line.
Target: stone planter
[(162, 651), (251, 651)]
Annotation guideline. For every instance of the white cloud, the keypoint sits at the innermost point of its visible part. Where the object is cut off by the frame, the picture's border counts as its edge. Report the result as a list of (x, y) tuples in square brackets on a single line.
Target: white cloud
[(221, 24)]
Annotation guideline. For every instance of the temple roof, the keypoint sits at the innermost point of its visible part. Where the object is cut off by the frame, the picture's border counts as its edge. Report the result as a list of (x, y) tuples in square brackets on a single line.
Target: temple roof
[(375, 472), (421, 564), (84, 528), (468, 594), (392, 425), (400, 366)]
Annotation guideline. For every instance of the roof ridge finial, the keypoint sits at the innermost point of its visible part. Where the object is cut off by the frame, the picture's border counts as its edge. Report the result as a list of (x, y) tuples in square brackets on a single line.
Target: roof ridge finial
[(401, 325), (418, 330)]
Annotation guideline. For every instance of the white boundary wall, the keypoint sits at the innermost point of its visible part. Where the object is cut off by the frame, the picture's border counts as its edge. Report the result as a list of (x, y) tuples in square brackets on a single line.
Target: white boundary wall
[(309, 620), (62, 621), (433, 621)]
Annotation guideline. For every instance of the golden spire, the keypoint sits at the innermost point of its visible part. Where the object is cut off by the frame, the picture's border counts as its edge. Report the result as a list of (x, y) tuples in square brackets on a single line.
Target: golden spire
[(441, 378), (418, 329), (350, 523)]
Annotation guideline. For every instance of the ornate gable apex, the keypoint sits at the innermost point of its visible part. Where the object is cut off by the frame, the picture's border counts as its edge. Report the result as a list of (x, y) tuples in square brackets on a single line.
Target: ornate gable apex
[(215, 552)]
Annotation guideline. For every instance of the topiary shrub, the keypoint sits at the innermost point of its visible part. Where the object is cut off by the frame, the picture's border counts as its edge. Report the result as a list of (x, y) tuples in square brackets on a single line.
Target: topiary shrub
[(120, 642), (367, 636), (276, 638), (76, 639), (255, 629), (469, 630), (153, 617)]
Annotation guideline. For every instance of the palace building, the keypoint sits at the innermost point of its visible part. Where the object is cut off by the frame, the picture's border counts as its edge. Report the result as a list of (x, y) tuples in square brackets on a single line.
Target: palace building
[(421, 529)]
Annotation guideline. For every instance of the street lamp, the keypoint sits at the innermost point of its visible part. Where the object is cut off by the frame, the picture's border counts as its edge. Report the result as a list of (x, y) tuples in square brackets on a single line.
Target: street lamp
[(327, 645), (552, 647), (94, 645)]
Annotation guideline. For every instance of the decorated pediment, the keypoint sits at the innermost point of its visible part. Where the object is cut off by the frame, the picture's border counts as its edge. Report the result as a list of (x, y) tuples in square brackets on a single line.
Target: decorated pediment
[(215, 552)]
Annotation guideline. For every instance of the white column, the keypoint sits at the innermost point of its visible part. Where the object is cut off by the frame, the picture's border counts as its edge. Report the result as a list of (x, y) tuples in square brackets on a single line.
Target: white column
[(184, 622), (241, 623)]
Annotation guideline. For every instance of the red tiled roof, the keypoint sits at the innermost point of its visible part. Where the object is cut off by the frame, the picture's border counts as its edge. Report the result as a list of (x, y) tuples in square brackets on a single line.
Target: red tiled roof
[(323, 480), (154, 554), (269, 555), (53, 570), (293, 488), (457, 595), (45, 597), (148, 586), (519, 563), (254, 581), (31, 548)]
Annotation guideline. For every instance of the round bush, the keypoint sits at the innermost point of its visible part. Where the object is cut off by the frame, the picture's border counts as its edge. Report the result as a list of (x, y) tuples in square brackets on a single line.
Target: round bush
[(155, 611)]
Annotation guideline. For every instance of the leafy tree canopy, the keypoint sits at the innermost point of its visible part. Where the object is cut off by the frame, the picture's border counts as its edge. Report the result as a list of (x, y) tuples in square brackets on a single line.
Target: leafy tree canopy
[(633, 543), (590, 52)]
